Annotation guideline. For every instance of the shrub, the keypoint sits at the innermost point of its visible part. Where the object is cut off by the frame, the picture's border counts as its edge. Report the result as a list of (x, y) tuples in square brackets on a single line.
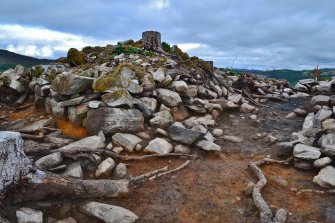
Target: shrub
[(38, 71), (166, 47), (130, 50), (75, 57)]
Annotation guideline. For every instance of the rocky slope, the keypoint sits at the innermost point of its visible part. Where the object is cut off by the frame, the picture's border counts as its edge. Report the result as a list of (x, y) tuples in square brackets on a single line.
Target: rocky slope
[(139, 97)]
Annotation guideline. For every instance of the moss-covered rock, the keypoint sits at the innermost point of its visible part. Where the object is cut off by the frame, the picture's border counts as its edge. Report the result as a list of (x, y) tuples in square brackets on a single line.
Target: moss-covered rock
[(148, 82), (76, 57), (118, 98), (69, 84), (110, 83)]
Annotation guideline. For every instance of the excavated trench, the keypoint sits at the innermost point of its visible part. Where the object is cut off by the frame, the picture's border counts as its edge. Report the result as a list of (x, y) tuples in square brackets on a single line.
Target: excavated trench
[(211, 188)]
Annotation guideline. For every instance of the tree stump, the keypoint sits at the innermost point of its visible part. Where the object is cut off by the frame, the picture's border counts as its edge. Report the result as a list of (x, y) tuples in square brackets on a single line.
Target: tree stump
[(152, 40)]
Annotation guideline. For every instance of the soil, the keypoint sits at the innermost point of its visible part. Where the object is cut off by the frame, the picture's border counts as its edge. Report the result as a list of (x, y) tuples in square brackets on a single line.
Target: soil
[(211, 188)]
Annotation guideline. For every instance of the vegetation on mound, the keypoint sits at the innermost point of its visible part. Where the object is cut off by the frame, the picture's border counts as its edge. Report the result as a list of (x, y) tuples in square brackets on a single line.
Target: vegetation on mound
[(127, 50), (76, 57), (134, 67), (52, 75), (105, 83), (166, 47), (38, 71)]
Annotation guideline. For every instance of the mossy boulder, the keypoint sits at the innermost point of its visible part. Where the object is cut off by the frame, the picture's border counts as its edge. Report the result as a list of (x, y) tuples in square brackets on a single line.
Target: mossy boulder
[(148, 82), (69, 84), (110, 83), (76, 57)]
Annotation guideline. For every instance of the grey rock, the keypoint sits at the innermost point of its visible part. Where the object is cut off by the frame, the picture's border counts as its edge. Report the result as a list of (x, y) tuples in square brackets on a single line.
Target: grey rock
[(159, 146), (67, 220), (69, 84), (117, 98), (121, 170), (49, 161), (217, 132), (206, 120), (168, 98), (307, 81), (309, 122), (128, 141), (283, 148), (91, 143), (206, 134), (29, 215), (94, 104), (108, 213), (328, 145), (208, 146), (182, 149), (150, 103), (322, 162), (74, 170), (305, 152), (161, 119), (246, 108), (105, 168), (71, 102), (303, 164), (180, 86), (159, 75), (323, 115), (114, 120), (224, 103), (36, 126), (326, 177), (291, 115), (300, 112), (183, 135), (236, 98), (320, 100)]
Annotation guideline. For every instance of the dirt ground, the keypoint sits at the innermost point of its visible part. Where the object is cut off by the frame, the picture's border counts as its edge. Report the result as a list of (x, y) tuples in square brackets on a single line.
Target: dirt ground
[(210, 189)]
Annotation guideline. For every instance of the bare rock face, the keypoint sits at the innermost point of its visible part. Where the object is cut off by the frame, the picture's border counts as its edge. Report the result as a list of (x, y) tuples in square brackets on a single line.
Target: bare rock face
[(11, 151), (109, 213), (69, 84), (114, 120), (151, 40)]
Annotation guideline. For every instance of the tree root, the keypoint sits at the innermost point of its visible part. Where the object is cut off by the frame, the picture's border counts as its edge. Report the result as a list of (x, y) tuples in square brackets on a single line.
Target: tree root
[(38, 137), (135, 158), (266, 215)]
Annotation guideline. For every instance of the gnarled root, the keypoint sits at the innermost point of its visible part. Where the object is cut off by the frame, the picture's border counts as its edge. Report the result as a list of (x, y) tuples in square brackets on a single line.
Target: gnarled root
[(266, 215)]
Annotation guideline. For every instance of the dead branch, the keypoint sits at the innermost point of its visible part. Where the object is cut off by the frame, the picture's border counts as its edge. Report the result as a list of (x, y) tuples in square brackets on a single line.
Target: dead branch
[(172, 171), (266, 215), (148, 174), (38, 137), (313, 191), (131, 158)]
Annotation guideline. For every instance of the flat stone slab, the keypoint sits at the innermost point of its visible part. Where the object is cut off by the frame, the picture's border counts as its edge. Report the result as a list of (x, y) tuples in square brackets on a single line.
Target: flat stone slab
[(305, 152)]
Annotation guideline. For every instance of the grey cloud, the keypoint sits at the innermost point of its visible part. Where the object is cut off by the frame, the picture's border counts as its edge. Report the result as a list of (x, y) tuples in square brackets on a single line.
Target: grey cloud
[(263, 33)]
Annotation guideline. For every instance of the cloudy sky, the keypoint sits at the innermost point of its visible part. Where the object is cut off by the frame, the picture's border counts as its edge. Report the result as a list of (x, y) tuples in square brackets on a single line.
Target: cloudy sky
[(261, 34)]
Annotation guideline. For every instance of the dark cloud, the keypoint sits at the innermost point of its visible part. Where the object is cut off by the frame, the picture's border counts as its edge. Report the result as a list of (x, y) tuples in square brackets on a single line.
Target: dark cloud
[(262, 33)]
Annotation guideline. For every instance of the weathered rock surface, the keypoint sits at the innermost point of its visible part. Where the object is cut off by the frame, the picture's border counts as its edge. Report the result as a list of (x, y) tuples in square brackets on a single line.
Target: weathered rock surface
[(69, 84), (183, 135), (114, 120), (208, 146), (320, 100), (105, 168), (67, 220), (328, 145), (121, 170), (29, 215), (322, 162), (108, 213), (309, 122), (49, 161), (161, 119), (128, 141), (74, 170), (168, 97), (159, 146), (322, 115), (326, 177), (86, 144), (305, 152)]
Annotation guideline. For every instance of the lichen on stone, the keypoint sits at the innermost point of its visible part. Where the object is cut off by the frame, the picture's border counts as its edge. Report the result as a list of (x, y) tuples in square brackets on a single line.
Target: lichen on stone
[(106, 83)]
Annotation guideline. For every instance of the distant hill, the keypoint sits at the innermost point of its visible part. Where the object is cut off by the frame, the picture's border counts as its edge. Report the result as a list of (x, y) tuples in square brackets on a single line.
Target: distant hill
[(293, 76), (10, 58)]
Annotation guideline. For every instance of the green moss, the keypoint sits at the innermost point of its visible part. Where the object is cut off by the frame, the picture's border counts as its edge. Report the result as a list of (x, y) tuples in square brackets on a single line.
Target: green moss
[(134, 67), (38, 71), (76, 57), (61, 60), (181, 54)]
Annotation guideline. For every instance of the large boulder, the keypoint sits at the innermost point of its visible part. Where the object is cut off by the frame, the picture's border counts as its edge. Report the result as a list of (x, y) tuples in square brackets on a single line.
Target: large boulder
[(69, 83), (183, 135), (114, 120), (11, 147), (168, 98), (108, 213)]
